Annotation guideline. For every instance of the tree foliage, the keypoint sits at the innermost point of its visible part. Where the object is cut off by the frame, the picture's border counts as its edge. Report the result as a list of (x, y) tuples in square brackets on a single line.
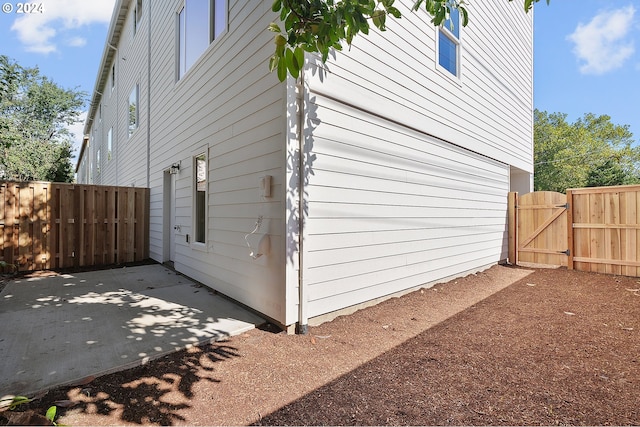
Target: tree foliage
[(35, 115), (318, 26), (590, 152)]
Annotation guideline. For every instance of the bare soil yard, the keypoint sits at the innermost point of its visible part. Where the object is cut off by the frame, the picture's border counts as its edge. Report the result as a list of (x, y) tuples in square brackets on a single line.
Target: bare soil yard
[(508, 346)]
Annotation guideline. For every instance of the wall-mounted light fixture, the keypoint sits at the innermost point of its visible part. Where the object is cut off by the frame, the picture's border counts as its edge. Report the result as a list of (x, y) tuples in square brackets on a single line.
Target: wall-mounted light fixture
[(174, 169)]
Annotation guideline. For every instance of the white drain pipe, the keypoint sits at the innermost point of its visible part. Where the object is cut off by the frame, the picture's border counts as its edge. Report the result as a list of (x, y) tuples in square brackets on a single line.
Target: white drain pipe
[(303, 317)]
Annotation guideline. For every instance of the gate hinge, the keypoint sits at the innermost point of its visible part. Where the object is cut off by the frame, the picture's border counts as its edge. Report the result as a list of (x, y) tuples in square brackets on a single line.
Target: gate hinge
[(567, 252), (566, 206)]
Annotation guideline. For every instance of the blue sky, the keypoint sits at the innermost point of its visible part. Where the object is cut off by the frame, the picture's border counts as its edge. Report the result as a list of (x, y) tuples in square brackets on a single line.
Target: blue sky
[(587, 59), (587, 55)]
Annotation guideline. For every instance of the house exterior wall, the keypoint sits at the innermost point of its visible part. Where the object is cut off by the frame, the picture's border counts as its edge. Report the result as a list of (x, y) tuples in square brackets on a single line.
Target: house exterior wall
[(404, 171), (487, 110), (126, 163), (231, 108), (389, 208), (227, 106), (412, 165)]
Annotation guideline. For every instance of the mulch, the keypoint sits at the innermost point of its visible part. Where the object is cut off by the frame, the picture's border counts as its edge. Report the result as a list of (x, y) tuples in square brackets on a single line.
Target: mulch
[(508, 346)]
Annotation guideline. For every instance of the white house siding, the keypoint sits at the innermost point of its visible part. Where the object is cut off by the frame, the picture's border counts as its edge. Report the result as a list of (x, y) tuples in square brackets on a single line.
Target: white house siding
[(127, 163), (412, 166), (229, 106), (407, 173), (390, 208), (488, 110)]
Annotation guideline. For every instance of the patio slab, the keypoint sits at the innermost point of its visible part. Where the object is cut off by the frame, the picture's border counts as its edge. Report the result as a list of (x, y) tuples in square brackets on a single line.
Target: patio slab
[(62, 329)]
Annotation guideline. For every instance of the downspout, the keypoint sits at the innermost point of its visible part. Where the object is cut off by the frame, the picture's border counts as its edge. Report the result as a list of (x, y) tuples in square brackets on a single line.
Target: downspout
[(149, 95), (303, 318)]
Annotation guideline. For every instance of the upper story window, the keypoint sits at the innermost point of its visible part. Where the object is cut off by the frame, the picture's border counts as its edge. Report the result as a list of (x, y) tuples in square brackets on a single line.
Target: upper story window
[(109, 144), (200, 22), (137, 15), (133, 109), (113, 76), (449, 44)]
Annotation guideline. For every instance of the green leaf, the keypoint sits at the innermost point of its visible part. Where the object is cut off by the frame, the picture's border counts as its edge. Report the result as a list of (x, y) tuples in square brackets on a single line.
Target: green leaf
[(273, 63), (298, 55), (51, 413), (292, 65), (379, 18), (276, 6), (282, 70), (274, 27), (465, 16), (394, 12)]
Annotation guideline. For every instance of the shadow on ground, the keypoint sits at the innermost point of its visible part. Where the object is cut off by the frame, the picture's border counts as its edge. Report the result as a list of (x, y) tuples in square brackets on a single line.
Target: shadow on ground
[(160, 390), (67, 328)]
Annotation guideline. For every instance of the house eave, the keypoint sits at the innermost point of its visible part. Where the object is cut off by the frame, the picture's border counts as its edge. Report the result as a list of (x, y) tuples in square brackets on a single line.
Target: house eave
[(113, 38)]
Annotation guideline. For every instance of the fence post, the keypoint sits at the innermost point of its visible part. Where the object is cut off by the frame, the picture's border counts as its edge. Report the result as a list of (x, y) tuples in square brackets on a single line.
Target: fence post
[(570, 229), (513, 227)]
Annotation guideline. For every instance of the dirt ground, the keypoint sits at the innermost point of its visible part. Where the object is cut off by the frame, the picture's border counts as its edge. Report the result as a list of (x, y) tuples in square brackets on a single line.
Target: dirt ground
[(508, 346)]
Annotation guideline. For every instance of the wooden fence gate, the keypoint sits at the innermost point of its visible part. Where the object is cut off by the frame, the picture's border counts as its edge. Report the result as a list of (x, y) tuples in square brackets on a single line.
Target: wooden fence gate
[(590, 229), (47, 225)]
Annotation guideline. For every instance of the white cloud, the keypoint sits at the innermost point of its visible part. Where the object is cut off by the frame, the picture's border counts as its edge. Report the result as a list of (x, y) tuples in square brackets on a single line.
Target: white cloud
[(604, 43), (38, 31), (77, 42)]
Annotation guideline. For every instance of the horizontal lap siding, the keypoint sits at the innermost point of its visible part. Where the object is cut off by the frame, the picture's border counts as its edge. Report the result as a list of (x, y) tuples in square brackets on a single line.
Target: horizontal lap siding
[(488, 110), (231, 107), (390, 208)]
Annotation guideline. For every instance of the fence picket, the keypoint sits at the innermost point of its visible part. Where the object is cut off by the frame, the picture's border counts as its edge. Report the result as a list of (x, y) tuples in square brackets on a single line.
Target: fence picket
[(53, 225), (602, 229)]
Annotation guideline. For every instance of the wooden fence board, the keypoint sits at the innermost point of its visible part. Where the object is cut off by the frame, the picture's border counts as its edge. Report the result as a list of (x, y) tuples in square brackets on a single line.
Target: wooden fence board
[(541, 228), (602, 229), (53, 225)]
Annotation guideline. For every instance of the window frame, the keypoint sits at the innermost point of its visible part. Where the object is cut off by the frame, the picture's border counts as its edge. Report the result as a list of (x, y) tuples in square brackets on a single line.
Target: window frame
[(137, 16), (135, 93), (454, 36), (184, 62), (200, 212), (113, 77), (98, 163), (110, 144)]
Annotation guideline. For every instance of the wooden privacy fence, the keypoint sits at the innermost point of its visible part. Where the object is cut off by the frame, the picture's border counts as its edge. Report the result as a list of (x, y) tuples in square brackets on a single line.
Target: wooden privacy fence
[(52, 225), (590, 229)]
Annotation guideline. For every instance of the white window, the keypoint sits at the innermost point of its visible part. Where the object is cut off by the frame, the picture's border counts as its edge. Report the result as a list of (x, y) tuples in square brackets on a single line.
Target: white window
[(449, 44), (200, 187), (98, 162), (133, 109), (137, 15), (109, 143), (90, 165), (113, 77), (200, 22)]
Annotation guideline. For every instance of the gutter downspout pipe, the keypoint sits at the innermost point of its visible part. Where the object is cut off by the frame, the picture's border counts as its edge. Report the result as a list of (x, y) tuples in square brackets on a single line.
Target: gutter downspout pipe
[(303, 318), (149, 95)]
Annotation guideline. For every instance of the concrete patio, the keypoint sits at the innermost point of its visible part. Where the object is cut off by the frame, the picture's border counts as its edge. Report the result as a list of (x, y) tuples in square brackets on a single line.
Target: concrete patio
[(61, 329)]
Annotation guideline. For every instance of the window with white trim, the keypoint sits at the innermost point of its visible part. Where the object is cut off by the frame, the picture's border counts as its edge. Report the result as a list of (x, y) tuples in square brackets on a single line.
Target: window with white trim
[(200, 190), (449, 44), (137, 15), (98, 162), (109, 143), (113, 77), (200, 22), (133, 109)]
